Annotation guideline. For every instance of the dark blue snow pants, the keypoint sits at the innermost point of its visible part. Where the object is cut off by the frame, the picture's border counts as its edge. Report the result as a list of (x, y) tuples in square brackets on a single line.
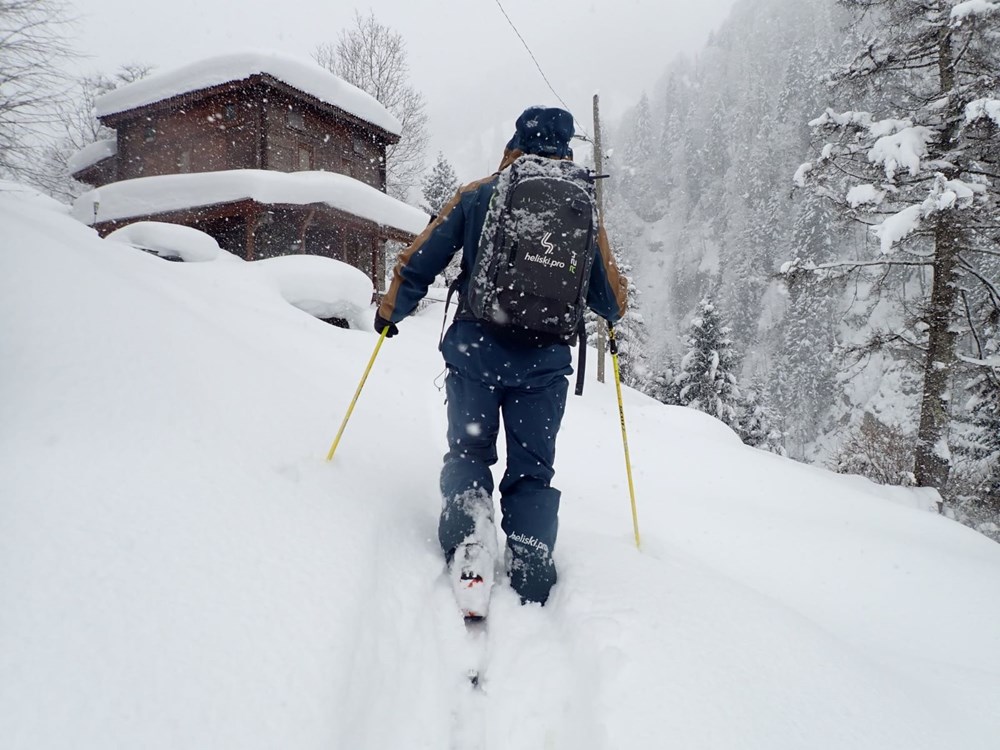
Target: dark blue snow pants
[(489, 378)]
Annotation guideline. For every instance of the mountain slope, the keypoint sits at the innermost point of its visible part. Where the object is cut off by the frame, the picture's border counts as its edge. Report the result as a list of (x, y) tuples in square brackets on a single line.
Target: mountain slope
[(180, 567)]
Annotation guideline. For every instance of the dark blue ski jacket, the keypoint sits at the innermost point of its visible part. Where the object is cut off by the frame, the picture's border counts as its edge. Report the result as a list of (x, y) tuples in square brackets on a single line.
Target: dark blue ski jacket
[(458, 227)]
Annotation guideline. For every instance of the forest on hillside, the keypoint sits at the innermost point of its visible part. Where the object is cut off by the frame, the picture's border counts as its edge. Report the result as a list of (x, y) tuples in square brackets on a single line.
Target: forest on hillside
[(785, 204)]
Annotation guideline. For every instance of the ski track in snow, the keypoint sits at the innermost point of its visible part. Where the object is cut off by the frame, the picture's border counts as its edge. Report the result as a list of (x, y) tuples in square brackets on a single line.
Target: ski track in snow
[(412, 653)]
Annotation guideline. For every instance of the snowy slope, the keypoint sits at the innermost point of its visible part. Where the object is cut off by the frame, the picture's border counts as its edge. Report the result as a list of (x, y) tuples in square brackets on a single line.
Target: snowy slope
[(179, 567)]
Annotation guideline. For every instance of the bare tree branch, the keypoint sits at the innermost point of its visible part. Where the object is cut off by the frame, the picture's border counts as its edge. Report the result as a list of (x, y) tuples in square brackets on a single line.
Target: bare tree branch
[(373, 57), (32, 82)]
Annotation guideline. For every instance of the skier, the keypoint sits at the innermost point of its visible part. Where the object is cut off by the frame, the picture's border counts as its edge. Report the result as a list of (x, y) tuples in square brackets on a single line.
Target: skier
[(495, 369)]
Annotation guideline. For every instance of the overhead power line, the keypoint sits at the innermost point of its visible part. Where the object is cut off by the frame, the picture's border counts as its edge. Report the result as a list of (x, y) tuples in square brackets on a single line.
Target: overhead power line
[(537, 65)]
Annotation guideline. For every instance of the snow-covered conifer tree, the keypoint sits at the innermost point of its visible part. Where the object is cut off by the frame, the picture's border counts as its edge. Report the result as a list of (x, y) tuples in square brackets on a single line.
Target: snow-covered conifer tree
[(979, 441), (663, 382), (707, 378), (921, 170), (637, 171), (757, 423), (631, 335), (439, 185), (803, 376)]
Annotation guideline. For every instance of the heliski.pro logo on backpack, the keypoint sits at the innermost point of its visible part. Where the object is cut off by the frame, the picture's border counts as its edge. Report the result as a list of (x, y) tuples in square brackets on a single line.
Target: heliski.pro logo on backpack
[(546, 260)]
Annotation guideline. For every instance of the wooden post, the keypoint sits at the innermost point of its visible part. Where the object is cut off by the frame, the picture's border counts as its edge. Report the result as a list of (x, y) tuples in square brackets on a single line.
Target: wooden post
[(250, 217), (602, 331), (305, 225)]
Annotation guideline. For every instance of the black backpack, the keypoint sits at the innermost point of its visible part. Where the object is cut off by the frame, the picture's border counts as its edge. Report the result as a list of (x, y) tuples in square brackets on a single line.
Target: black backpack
[(536, 249)]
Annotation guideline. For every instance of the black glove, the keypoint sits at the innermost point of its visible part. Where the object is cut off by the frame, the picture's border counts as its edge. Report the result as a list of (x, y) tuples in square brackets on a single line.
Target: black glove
[(381, 324)]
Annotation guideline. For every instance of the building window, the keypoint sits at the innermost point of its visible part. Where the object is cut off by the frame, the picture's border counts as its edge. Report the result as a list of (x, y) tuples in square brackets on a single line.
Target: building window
[(360, 146), (305, 158), (229, 112), (150, 133), (184, 161), (296, 120)]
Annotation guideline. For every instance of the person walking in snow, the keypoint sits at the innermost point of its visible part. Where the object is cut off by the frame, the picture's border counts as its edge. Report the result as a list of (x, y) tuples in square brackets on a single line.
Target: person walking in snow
[(497, 368)]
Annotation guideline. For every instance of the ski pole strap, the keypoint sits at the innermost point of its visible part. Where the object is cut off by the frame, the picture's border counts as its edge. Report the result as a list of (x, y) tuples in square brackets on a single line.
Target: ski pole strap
[(581, 356), (452, 288)]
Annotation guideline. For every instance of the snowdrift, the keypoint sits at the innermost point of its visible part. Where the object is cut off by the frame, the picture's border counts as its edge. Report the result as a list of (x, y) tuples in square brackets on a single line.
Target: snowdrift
[(179, 567)]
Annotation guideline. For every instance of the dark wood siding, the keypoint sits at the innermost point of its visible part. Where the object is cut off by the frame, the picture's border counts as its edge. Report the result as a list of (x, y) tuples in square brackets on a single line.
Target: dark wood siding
[(213, 134), (256, 124), (293, 127)]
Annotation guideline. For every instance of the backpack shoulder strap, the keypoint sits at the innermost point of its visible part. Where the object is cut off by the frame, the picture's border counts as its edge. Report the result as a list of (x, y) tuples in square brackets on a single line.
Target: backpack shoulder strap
[(581, 356)]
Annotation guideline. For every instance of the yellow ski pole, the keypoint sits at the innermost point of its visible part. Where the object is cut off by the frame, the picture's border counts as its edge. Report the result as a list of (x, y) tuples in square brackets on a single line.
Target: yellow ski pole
[(613, 346), (357, 393)]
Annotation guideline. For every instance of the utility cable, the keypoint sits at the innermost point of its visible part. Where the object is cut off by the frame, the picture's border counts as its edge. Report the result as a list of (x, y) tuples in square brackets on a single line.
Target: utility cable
[(535, 61)]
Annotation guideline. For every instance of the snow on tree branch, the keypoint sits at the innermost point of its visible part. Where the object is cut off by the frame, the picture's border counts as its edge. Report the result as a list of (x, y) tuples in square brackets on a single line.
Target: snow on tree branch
[(904, 145), (972, 8), (865, 195), (898, 144), (842, 120), (800, 174), (980, 108), (944, 195), (898, 226)]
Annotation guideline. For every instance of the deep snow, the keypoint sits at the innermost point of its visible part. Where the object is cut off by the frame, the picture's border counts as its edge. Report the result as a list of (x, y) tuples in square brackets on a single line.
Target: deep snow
[(179, 566)]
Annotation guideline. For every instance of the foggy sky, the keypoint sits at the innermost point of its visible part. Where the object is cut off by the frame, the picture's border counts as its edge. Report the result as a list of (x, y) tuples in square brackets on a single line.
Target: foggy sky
[(464, 57)]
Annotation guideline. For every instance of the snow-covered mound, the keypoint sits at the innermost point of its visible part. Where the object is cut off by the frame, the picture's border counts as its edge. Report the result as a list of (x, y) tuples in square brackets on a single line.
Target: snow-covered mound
[(323, 287), (179, 567), (171, 241)]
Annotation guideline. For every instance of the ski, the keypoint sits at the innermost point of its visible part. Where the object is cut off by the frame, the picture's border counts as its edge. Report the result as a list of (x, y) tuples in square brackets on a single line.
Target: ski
[(471, 574), (470, 700), (475, 628)]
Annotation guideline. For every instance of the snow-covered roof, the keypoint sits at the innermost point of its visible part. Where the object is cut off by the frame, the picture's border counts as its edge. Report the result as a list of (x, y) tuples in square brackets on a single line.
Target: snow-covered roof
[(91, 154), (147, 196), (304, 75)]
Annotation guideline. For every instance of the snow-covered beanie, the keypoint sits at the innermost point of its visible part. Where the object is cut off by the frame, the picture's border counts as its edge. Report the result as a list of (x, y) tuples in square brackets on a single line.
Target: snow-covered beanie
[(543, 131)]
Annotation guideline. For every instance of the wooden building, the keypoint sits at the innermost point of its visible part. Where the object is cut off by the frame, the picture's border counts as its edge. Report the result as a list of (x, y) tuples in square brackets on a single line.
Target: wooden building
[(254, 112)]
